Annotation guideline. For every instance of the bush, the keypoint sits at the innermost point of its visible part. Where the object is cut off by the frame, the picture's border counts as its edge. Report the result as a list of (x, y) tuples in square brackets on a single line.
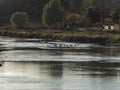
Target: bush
[(73, 19), (19, 19)]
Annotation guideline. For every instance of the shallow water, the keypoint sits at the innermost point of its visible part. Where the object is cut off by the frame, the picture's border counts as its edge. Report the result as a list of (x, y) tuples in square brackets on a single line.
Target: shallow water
[(26, 67)]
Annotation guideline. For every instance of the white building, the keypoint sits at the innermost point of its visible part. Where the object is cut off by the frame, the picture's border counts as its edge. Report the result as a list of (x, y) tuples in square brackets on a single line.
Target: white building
[(112, 27)]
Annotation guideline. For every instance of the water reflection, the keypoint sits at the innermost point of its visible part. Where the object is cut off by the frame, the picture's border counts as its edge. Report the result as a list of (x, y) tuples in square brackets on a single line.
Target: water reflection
[(96, 68), (33, 69), (60, 75), (55, 69), (93, 67), (58, 69)]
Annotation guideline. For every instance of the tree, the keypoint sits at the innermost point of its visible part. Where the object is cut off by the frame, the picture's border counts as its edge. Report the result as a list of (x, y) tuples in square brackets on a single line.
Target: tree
[(115, 15), (93, 15), (85, 7), (73, 19), (104, 7), (19, 19), (33, 7), (65, 4), (53, 14)]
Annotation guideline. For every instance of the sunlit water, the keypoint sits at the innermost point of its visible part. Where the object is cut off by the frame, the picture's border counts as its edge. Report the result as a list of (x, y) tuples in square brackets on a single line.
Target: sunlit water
[(26, 67)]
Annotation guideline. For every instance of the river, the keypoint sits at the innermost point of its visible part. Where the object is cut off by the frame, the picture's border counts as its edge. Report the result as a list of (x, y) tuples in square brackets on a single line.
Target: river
[(26, 67)]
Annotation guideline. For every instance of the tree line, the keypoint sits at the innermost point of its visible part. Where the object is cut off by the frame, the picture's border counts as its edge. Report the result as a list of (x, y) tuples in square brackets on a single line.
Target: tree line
[(57, 14)]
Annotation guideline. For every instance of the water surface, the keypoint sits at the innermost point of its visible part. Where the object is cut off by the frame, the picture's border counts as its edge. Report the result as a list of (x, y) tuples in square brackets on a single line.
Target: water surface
[(26, 67), (59, 76)]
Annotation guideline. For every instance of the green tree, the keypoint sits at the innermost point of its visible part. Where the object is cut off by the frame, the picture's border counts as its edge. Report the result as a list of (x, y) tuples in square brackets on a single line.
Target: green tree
[(19, 19), (115, 15), (93, 15), (85, 7), (53, 14), (33, 7), (104, 7)]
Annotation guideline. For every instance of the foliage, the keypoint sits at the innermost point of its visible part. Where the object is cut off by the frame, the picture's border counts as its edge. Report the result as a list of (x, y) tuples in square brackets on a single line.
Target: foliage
[(93, 15), (115, 15), (104, 7), (73, 19), (19, 19), (33, 7), (85, 7), (53, 14), (65, 4)]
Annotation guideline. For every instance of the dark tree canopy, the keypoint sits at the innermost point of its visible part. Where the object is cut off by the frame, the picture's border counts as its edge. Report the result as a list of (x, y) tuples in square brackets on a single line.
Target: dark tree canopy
[(93, 15), (53, 13), (34, 8), (115, 15), (103, 7)]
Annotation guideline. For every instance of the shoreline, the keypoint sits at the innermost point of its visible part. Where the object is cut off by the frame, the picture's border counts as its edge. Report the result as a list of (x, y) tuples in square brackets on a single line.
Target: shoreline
[(87, 36)]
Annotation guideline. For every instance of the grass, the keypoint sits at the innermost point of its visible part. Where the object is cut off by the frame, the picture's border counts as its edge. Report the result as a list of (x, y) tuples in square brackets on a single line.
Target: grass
[(69, 36)]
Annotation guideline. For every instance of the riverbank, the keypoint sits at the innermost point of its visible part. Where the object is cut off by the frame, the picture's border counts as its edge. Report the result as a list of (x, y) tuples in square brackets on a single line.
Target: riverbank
[(67, 36)]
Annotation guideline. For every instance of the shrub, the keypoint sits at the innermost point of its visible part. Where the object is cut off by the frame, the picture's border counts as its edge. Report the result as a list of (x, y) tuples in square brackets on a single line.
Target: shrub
[(19, 19), (73, 19)]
